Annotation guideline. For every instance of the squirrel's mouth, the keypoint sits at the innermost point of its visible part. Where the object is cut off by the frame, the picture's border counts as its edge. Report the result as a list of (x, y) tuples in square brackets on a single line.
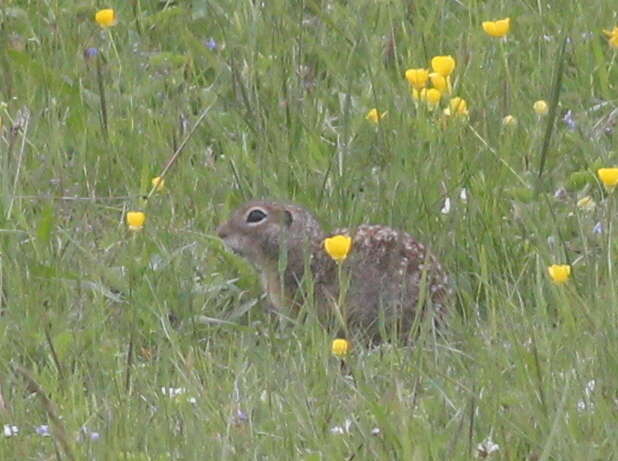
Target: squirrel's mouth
[(234, 246)]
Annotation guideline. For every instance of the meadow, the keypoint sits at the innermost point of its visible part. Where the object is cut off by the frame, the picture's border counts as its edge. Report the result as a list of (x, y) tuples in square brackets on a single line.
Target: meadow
[(153, 344)]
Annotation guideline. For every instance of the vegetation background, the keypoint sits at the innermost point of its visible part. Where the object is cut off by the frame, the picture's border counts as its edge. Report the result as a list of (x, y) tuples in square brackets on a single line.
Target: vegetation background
[(153, 345)]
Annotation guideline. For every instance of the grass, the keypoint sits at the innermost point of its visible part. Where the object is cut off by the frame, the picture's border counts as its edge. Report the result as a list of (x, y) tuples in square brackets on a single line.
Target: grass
[(98, 323)]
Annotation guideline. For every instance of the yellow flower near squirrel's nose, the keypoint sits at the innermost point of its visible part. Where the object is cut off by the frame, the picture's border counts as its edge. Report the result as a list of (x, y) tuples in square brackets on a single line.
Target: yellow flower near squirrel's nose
[(559, 273), (136, 220), (417, 78), (338, 246), (609, 177), (374, 115), (540, 107), (497, 28), (106, 18), (158, 183), (612, 37), (340, 347), (444, 65)]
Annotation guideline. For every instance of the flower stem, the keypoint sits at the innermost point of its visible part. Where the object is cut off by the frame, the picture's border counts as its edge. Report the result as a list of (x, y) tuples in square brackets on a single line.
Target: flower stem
[(610, 214), (102, 97)]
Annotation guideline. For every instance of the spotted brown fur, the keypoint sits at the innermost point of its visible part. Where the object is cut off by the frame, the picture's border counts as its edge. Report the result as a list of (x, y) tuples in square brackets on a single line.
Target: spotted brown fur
[(388, 276)]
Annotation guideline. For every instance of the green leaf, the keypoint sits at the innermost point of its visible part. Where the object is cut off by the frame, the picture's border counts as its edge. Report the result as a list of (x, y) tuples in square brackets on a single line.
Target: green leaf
[(46, 225)]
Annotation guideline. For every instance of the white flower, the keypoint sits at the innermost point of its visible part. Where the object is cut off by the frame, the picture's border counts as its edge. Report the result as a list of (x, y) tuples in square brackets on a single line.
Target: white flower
[(586, 403), (10, 430), (172, 392), (340, 430), (486, 448), (463, 195), (446, 207)]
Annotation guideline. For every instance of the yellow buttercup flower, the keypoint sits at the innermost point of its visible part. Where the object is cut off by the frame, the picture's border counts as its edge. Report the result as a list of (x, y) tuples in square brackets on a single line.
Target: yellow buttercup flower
[(541, 107), (158, 183), (444, 65), (374, 115), (432, 97), (497, 28), (340, 347), (457, 106), (612, 37), (106, 18), (586, 203), (338, 246), (509, 120), (609, 177), (417, 78), (559, 273), (440, 82), (136, 220)]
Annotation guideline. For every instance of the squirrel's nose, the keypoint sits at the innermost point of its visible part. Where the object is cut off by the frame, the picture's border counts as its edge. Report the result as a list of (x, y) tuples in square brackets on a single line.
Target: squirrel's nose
[(222, 231)]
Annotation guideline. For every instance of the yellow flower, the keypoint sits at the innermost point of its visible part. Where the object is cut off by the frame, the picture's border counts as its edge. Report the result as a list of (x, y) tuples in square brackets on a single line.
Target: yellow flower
[(540, 107), (417, 78), (106, 18), (509, 120), (440, 82), (158, 183), (375, 115), (432, 97), (586, 203), (135, 220), (456, 106), (340, 347), (559, 273), (338, 246), (497, 28), (443, 65), (612, 37), (609, 177)]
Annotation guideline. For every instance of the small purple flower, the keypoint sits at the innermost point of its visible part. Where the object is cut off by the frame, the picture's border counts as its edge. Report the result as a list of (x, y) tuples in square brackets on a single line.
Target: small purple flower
[(43, 430), (598, 228), (88, 434), (560, 193), (211, 44), (569, 121), (90, 53)]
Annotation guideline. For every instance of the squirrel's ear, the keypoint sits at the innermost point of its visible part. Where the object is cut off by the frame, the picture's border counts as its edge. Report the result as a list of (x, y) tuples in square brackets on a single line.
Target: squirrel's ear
[(287, 216)]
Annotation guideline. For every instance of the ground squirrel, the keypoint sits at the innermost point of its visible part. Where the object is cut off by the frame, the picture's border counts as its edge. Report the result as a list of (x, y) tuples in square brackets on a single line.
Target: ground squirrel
[(386, 278)]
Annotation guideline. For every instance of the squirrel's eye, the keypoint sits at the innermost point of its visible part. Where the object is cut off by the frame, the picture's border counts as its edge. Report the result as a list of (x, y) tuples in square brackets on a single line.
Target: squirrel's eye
[(256, 216)]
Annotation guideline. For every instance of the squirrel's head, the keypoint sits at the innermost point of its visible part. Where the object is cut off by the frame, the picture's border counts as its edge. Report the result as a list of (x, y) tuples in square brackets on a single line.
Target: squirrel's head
[(257, 230)]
